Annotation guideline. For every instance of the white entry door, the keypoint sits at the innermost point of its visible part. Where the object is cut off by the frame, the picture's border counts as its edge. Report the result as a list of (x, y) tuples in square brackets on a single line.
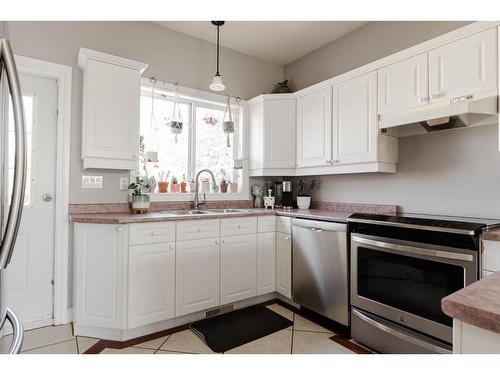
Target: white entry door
[(28, 280)]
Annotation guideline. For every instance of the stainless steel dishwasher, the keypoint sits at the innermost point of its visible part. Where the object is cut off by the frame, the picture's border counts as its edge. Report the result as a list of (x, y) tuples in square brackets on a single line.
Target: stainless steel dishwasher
[(320, 279)]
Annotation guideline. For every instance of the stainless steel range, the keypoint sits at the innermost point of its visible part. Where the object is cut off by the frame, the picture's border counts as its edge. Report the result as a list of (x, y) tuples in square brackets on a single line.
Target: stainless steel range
[(401, 268)]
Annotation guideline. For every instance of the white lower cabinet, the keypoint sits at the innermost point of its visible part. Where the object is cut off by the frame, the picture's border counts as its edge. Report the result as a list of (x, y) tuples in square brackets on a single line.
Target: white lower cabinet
[(238, 275), (100, 275), (266, 263), (151, 283), (284, 264), (197, 275)]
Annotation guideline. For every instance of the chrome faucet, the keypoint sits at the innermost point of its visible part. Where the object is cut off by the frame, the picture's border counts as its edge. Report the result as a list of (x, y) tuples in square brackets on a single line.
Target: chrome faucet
[(197, 185)]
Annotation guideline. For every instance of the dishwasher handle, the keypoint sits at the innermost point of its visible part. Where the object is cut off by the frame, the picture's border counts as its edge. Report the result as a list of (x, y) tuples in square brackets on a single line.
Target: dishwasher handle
[(319, 226)]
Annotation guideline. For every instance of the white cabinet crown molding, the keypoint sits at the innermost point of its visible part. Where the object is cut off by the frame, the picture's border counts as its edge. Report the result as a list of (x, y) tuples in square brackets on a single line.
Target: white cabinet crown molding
[(85, 54), (436, 42)]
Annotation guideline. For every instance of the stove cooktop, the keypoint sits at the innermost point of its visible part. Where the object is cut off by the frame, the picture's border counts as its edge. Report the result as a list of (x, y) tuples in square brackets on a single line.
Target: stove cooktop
[(465, 225)]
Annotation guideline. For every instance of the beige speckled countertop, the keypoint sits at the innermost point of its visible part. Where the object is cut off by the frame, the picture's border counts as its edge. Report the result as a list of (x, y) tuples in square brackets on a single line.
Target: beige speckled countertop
[(491, 235), (478, 304), (154, 216)]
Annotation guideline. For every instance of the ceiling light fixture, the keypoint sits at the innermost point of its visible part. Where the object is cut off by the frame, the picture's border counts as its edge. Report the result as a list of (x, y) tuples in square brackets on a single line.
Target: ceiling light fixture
[(217, 84)]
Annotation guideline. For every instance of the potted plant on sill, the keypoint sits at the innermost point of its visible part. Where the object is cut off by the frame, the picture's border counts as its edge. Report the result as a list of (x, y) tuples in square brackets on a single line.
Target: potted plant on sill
[(233, 187), (205, 185), (174, 185), (183, 184), (140, 200), (163, 183), (223, 182), (192, 185), (304, 192)]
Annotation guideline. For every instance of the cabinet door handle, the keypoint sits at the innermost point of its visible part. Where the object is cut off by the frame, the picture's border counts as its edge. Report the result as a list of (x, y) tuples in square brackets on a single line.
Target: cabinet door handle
[(198, 230), (153, 233), (172, 247), (423, 99), (216, 242), (119, 229), (287, 238), (134, 156), (239, 226)]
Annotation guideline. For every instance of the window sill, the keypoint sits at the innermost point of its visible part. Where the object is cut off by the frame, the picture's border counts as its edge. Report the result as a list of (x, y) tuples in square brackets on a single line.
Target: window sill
[(186, 197)]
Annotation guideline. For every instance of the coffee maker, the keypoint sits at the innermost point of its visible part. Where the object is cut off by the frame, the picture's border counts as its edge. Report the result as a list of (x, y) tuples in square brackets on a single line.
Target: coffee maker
[(287, 195)]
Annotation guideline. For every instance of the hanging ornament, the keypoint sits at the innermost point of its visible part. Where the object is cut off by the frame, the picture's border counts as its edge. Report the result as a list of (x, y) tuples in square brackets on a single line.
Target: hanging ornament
[(176, 121), (228, 124), (210, 120)]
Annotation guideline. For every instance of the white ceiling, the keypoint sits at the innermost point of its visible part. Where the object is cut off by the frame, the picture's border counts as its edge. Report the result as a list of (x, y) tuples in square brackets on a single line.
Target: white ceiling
[(280, 42)]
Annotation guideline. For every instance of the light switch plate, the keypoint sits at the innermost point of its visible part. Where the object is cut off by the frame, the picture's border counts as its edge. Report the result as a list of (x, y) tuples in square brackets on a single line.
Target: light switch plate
[(124, 183), (92, 182)]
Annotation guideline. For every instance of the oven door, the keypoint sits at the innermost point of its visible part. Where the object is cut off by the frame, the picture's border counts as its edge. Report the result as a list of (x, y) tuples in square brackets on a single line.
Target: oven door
[(404, 281)]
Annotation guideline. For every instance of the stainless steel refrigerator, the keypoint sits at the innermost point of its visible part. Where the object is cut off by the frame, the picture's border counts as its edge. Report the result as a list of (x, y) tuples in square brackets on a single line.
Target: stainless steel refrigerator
[(11, 206)]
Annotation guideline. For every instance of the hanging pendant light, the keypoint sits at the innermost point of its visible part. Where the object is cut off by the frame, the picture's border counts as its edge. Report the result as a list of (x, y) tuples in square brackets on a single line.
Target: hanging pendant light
[(217, 84)]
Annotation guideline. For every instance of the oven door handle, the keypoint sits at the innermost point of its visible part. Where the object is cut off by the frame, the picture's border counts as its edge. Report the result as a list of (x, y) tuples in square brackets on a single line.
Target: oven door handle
[(401, 335), (414, 250)]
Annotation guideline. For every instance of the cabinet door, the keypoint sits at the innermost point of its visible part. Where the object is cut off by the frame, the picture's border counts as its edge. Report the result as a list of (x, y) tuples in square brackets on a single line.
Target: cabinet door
[(238, 268), (197, 275), (279, 138), (111, 112), (467, 66), (284, 264), (151, 283), (314, 128), (355, 128), (266, 263), (403, 85), (100, 275)]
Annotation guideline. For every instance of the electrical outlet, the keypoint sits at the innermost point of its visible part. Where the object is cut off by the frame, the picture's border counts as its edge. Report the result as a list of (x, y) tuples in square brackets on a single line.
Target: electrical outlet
[(92, 182), (124, 183)]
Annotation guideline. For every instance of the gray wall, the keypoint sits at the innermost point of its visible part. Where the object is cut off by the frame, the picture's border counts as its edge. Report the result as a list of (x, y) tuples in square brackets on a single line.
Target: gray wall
[(366, 44), (454, 172), (172, 57)]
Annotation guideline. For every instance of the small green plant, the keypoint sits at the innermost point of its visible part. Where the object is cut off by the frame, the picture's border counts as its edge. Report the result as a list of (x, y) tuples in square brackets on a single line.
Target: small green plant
[(223, 176), (139, 184), (174, 180)]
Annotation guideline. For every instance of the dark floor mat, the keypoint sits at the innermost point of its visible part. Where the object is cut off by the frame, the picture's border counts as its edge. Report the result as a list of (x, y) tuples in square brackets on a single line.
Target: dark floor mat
[(224, 332)]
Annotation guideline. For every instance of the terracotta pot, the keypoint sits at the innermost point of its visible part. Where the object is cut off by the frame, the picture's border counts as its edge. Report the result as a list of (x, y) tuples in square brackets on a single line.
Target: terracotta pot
[(162, 186), (183, 187), (223, 187), (174, 188)]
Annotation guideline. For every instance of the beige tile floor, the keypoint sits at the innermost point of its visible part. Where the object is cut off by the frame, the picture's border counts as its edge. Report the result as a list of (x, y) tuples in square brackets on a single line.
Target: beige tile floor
[(303, 337)]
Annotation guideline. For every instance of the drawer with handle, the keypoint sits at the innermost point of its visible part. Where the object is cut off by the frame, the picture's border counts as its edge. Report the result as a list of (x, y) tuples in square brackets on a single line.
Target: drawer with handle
[(236, 226), (148, 233), (284, 224), (197, 229), (266, 224)]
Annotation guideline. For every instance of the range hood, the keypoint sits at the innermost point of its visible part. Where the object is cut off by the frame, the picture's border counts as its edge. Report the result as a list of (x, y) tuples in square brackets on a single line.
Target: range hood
[(458, 113)]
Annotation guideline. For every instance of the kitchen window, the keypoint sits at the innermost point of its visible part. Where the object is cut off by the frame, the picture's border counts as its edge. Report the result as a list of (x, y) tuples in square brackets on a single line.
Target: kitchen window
[(202, 144)]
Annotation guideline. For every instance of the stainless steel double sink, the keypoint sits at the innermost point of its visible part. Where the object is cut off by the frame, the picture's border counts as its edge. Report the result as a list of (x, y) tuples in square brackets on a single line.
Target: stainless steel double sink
[(206, 212)]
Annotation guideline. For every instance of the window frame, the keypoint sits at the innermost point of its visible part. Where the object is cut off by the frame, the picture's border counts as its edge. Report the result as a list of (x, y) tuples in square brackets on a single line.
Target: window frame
[(197, 98)]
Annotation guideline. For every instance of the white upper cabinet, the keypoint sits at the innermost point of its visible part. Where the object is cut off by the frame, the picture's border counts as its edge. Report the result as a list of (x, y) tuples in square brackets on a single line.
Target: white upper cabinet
[(110, 114), (465, 67), (314, 128), (404, 84), (272, 132), (355, 129)]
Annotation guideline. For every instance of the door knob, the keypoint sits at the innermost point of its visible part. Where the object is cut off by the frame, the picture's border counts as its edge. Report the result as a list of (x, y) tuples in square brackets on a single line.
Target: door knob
[(47, 197)]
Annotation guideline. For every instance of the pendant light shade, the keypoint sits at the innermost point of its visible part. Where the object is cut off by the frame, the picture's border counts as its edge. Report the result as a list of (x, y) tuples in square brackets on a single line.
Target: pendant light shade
[(217, 84)]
